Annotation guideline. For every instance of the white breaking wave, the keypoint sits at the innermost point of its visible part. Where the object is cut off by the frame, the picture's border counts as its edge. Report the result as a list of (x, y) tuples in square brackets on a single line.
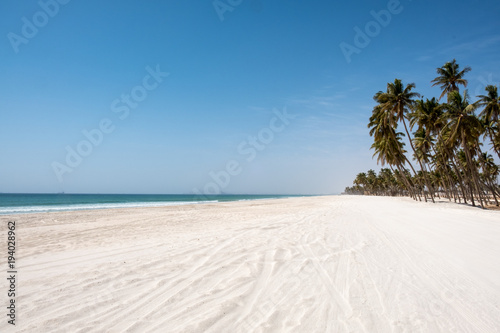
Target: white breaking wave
[(90, 206)]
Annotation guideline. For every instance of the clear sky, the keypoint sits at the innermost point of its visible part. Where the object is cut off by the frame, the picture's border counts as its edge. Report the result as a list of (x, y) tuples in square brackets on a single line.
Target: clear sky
[(251, 96)]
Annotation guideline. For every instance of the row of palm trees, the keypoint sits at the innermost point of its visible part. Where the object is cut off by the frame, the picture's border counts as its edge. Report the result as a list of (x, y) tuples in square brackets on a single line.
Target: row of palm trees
[(449, 142)]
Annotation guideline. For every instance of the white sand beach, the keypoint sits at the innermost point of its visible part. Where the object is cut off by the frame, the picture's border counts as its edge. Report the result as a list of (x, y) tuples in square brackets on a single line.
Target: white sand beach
[(314, 264)]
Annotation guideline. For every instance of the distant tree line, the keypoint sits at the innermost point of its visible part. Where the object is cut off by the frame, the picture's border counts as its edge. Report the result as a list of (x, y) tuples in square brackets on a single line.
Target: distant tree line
[(449, 142)]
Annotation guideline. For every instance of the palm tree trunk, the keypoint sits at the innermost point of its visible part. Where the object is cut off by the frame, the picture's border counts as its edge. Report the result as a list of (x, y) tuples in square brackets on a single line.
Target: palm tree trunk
[(472, 169), (407, 182), (495, 148), (459, 175), (492, 190), (421, 167), (411, 166)]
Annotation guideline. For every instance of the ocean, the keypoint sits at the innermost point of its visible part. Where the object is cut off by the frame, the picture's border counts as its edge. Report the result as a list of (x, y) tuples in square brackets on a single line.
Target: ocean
[(20, 203)]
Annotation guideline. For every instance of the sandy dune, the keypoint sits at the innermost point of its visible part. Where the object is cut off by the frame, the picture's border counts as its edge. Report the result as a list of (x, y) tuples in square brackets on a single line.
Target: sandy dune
[(322, 264)]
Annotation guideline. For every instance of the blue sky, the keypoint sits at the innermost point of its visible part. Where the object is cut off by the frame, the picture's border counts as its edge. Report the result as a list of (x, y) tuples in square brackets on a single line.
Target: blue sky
[(68, 66)]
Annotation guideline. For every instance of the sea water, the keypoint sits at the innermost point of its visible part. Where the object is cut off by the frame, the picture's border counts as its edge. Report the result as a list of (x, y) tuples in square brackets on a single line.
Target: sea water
[(20, 203)]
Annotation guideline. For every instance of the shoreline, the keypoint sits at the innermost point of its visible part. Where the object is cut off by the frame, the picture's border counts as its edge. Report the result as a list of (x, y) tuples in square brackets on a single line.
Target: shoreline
[(50, 207), (151, 205), (327, 263)]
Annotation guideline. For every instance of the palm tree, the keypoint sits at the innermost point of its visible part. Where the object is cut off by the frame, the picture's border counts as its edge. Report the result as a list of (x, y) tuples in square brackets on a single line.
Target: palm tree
[(361, 181), (492, 130), (398, 100), (388, 181), (490, 173), (490, 115), (427, 115), (447, 146), (391, 152), (491, 104), (444, 162), (449, 77), (387, 143), (464, 127), (423, 144), (446, 142), (371, 177)]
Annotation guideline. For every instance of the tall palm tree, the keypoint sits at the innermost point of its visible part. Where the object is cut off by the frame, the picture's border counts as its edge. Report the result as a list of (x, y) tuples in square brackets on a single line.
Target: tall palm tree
[(491, 104), (444, 151), (490, 115), (465, 127), (388, 144), (398, 100), (446, 143), (428, 116), (490, 174), (449, 77)]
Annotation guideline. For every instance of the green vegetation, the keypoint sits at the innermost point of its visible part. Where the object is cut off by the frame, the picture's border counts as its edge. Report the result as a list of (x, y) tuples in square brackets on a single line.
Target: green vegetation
[(446, 142)]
